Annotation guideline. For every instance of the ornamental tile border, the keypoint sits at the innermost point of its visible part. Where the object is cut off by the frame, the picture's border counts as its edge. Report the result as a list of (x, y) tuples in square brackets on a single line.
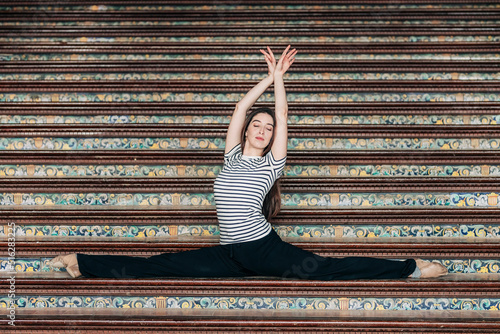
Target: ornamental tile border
[(79, 201), (141, 76), (368, 38), (368, 7), (292, 119), (211, 171), (269, 303), (304, 232), (147, 97), (231, 57), (205, 23), (210, 143)]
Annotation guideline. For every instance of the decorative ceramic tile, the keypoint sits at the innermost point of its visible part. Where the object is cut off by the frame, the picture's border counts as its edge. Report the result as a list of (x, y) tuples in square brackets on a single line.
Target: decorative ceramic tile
[(368, 38), (379, 170), (211, 171), (388, 231), (110, 143), (358, 200), (292, 119), (106, 199), (242, 7), (129, 231), (368, 200), (285, 231), (255, 57), (161, 171), (186, 76), (257, 22), (21, 265), (268, 303), (234, 97), (76, 144)]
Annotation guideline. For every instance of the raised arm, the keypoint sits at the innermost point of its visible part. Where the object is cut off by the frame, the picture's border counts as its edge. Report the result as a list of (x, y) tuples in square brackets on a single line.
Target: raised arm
[(240, 111), (279, 148)]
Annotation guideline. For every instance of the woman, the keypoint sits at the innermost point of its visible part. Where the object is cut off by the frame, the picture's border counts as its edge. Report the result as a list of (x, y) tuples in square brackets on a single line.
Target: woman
[(247, 195)]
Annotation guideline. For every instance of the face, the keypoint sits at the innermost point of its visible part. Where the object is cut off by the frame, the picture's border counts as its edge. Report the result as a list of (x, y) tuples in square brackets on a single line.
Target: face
[(259, 133)]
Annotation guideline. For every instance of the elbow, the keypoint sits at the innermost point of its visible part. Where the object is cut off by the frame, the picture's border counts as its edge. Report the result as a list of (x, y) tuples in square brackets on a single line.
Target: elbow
[(282, 113)]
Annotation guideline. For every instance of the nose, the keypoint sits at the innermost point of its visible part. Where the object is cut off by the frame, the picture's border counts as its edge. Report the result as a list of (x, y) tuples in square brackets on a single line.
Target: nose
[(261, 130)]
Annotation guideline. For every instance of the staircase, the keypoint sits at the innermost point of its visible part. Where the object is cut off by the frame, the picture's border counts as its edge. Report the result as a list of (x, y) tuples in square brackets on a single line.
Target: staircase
[(113, 118)]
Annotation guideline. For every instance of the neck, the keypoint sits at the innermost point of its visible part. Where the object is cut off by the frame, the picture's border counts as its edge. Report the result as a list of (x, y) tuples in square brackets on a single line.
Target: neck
[(252, 151)]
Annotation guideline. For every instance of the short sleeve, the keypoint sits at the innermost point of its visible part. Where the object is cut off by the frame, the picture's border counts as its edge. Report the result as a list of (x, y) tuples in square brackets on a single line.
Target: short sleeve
[(231, 154), (277, 165)]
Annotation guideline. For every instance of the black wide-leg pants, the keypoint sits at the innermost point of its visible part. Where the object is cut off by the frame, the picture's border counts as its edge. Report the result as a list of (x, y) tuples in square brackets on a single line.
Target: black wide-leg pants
[(269, 256)]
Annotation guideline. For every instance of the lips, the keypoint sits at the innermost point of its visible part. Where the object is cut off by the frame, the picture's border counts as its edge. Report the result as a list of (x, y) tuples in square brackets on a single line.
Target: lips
[(259, 138)]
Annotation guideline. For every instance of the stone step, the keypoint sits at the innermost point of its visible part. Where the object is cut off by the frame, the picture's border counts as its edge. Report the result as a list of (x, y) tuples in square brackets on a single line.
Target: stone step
[(295, 222), (429, 6), (476, 120), (315, 113), (92, 320), (184, 91), (236, 36), (470, 291), (347, 139), (288, 184), (299, 229), (78, 19), (213, 13), (460, 257), (482, 32), (435, 247), (220, 51), (206, 215), (215, 157), (241, 70), (463, 285), (244, 86)]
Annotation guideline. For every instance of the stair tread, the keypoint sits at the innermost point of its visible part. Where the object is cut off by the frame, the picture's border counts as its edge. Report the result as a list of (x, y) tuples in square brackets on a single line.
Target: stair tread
[(30, 279), (190, 239), (407, 317)]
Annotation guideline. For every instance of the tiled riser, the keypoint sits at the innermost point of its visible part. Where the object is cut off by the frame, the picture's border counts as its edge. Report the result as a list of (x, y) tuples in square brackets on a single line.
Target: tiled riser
[(210, 143), (293, 119), (211, 171), (230, 57), (246, 76), (393, 8), (290, 22), (358, 200), (302, 231), (444, 38), (271, 303), (165, 96)]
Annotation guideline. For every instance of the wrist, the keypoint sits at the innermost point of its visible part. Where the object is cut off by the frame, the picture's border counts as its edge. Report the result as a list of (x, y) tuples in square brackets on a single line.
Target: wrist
[(278, 75)]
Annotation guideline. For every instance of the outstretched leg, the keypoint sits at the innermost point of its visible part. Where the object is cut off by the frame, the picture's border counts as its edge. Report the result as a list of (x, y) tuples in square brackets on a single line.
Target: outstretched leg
[(271, 256), (205, 262)]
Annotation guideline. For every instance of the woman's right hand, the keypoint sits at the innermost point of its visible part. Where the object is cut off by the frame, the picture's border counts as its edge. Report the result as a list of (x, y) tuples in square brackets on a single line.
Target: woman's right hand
[(270, 60)]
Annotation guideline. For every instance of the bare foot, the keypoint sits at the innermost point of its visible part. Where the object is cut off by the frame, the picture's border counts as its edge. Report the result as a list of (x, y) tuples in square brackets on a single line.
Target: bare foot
[(69, 262), (431, 269)]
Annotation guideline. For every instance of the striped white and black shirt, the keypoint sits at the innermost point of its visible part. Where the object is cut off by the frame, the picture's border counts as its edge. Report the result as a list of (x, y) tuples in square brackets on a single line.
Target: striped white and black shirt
[(240, 189)]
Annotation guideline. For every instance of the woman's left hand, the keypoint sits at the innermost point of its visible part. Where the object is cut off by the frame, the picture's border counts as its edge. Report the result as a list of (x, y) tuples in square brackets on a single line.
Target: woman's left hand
[(286, 60)]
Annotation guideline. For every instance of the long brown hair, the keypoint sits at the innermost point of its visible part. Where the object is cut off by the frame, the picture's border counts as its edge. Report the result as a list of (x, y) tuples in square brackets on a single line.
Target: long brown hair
[(272, 201)]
